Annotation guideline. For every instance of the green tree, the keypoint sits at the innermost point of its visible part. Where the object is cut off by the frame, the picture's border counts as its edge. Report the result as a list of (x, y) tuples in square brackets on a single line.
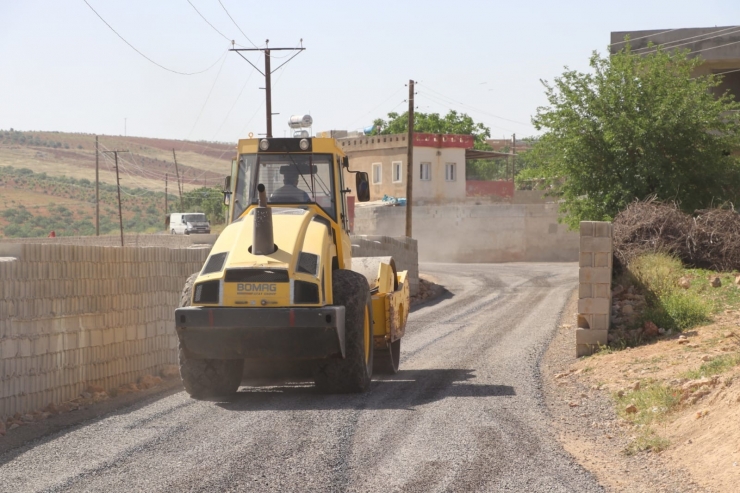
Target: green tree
[(452, 123), (207, 200), (636, 126)]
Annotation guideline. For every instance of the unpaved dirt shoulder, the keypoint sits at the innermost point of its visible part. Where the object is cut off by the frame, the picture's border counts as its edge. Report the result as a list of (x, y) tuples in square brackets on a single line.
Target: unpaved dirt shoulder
[(585, 421), (64, 421)]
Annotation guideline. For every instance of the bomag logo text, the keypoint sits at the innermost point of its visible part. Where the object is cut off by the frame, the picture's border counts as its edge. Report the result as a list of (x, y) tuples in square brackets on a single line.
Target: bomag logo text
[(247, 287)]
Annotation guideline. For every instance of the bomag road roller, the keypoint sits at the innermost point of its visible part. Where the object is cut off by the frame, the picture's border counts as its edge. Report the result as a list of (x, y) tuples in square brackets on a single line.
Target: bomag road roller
[(280, 287)]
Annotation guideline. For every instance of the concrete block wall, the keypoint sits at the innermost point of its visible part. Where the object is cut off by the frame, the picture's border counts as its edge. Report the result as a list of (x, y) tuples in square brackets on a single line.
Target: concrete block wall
[(73, 315), (594, 286), (477, 233), (135, 240), (403, 250)]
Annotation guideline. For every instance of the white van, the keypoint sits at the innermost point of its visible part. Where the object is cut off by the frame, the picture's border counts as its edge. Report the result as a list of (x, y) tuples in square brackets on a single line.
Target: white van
[(185, 223)]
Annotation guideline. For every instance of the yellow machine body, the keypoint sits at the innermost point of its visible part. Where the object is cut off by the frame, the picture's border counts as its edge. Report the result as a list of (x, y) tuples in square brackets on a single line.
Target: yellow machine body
[(311, 241)]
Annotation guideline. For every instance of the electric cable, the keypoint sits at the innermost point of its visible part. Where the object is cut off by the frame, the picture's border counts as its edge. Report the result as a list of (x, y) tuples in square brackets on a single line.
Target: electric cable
[(207, 22), (251, 72), (237, 25), (376, 107), (693, 37), (714, 47), (473, 107), (207, 98), (643, 37), (143, 55), (653, 49), (446, 105)]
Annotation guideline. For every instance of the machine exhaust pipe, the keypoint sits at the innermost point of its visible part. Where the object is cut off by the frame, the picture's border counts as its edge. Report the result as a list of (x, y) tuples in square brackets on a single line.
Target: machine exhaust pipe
[(263, 242)]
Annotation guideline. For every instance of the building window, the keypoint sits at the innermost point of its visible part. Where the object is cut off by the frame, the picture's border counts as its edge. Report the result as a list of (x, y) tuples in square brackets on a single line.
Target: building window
[(377, 173), (450, 172), (426, 171), (397, 172)]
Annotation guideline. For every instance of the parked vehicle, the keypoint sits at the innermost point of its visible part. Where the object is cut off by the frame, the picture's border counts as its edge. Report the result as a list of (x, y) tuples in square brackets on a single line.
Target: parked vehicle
[(186, 223)]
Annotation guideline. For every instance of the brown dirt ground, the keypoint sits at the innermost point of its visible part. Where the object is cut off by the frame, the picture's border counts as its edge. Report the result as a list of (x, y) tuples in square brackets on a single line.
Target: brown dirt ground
[(704, 453)]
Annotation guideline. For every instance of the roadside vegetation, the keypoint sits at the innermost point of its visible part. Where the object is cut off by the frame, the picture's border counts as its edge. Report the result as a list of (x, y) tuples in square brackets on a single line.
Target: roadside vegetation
[(636, 126), (672, 330)]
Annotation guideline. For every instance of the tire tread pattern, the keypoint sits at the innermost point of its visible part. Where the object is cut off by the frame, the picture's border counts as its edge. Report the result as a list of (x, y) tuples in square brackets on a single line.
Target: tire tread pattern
[(351, 374), (207, 378)]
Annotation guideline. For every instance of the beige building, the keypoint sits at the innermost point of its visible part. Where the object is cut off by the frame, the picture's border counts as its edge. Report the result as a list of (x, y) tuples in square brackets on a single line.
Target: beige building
[(438, 168)]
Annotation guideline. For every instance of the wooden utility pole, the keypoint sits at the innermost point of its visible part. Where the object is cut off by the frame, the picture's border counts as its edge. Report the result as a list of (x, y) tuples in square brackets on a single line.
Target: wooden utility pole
[(268, 92), (513, 158), (166, 206), (179, 185), (97, 189), (267, 74), (410, 160), (118, 186)]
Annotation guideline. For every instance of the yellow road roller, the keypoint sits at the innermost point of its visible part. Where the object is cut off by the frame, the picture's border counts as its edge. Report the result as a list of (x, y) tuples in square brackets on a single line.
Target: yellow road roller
[(280, 288)]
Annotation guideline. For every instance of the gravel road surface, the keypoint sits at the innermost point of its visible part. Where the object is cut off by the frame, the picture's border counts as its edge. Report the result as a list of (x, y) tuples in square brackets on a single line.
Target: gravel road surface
[(464, 414)]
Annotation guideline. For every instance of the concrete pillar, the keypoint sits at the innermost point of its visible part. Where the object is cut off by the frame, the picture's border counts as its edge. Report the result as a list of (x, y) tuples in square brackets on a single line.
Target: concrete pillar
[(594, 288)]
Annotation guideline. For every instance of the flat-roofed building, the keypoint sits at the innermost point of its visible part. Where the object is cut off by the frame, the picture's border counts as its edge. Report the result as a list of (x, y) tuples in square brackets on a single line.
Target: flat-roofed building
[(438, 168), (719, 48)]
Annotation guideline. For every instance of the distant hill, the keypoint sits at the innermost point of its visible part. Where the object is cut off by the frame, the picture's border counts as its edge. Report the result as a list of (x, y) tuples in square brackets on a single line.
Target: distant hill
[(147, 163), (47, 180)]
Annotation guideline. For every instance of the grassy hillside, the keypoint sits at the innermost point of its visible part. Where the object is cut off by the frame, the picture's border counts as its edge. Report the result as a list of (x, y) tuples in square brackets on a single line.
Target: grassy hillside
[(47, 181), (145, 165)]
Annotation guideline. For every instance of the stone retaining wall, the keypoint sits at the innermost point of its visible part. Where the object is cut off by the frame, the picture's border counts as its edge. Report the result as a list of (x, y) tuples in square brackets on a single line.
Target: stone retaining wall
[(75, 315)]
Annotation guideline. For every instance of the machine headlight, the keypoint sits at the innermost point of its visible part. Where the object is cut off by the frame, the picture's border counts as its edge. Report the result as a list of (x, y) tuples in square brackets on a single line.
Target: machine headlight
[(303, 144), (264, 144)]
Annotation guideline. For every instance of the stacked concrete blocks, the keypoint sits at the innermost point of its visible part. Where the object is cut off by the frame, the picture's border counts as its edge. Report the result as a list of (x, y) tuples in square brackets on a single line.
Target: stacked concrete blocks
[(594, 288), (74, 315), (132, 240)]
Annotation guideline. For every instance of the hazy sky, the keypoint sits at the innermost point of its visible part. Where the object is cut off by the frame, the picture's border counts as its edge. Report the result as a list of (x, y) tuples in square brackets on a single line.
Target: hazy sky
[(62, 69)]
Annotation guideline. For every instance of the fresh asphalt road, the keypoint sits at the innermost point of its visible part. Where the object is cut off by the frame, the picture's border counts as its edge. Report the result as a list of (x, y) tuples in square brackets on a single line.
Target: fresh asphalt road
[(465, 413)]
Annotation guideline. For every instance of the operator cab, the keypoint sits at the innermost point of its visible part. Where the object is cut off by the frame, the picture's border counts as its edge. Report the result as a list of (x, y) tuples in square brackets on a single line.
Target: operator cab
[(297, 173)]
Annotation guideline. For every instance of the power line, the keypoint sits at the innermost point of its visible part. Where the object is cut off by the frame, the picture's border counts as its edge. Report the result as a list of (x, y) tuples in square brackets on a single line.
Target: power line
[(131, 178), (237, 25), (643, 37), (468, 107), (474, 108), (142, 54), (714, 47), (376, 107), (207, 98), (446, 105), (232, 106), (212, 26), (665, 47), (691, 37)]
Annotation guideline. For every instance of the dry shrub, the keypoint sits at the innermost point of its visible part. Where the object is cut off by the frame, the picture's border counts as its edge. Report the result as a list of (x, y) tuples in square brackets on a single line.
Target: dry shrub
[(710, 239), (650, 226), (715, 239)]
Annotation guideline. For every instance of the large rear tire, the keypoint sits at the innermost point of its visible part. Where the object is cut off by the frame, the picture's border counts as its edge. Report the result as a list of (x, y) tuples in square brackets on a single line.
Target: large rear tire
[(387, 360), (207, 378), (353, 373)]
